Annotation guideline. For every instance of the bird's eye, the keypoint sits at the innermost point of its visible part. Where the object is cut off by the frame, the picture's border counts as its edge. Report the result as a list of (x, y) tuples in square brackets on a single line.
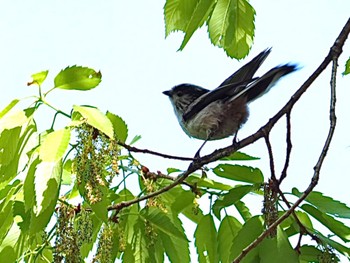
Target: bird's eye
[(180, 93)]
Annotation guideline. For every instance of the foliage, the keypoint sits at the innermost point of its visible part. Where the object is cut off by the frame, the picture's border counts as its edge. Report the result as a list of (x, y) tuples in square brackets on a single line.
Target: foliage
[(230, 22), (64, 190)]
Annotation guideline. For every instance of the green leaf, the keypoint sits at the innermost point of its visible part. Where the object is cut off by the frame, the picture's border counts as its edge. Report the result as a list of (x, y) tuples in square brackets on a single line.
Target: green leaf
[(77, 78), (207, 183), (309, 253), (231, 26), (239, 156), (6, 220), (177, 14), (67, 177), (228, 230), (182, 201), (13, 233), (9, 189), (119, 126), (12, 119), (206, 240), (8, 254), (326, 204), (100, 208), (9, 156), (96, 119), (347, 67), (239, 173), (339, 247), (39, 78), (156, 250), (243, 210), (29, 185), (333, 225), (198, 17), (176, 248), (282, 249), (234, 195), (47, 184), (8, 107), (137, 251), (162, 222), (54, 145), (248, 233), (135, 139), (173, 170)]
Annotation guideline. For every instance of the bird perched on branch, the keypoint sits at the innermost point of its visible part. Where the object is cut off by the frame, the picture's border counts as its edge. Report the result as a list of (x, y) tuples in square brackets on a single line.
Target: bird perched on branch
[(219, 113)]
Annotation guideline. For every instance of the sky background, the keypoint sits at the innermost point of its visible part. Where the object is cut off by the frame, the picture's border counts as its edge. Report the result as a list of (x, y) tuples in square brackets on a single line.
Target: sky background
[(126, 41)]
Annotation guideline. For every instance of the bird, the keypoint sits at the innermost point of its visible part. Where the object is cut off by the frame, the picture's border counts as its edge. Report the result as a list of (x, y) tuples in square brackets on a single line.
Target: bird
[(219, 113)]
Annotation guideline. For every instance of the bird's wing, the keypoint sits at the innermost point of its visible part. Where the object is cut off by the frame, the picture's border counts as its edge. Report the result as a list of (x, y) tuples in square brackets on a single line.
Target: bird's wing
[(221, 93), (248, 70)]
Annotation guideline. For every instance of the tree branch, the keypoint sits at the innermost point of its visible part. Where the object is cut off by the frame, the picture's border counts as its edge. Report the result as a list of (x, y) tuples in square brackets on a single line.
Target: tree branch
[(333, 55)]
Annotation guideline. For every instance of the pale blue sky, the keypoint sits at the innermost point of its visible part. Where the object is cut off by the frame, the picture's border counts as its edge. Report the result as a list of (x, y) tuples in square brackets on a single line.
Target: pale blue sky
[(125, 40)]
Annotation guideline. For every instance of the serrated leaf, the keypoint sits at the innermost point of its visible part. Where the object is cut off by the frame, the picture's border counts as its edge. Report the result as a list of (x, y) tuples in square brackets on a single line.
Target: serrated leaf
[(231, 26), (347, 67), (176, 248), (77, 78), (156, 251), (39, 78), (198, 17), (9, 157), (137, 251), (239, 156), (239, 173), (337, 227), (243, 210), (206, 240), (177, 14), (54, 146), (96, 119), (282, 249), (248, 233), (228, 230), (163, 222), (119, 126), (47, 184), (29, 185), (325, 204), (234, 195), (8, 107)]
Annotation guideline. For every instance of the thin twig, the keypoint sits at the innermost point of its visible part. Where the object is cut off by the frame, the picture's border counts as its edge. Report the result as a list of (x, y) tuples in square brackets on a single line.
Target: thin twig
[(332, 56), (288, 150), (134, 149), (272, 164)]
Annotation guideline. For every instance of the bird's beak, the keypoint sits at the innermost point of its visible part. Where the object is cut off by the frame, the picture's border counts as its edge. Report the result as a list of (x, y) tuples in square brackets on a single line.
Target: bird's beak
[(167, 92)]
